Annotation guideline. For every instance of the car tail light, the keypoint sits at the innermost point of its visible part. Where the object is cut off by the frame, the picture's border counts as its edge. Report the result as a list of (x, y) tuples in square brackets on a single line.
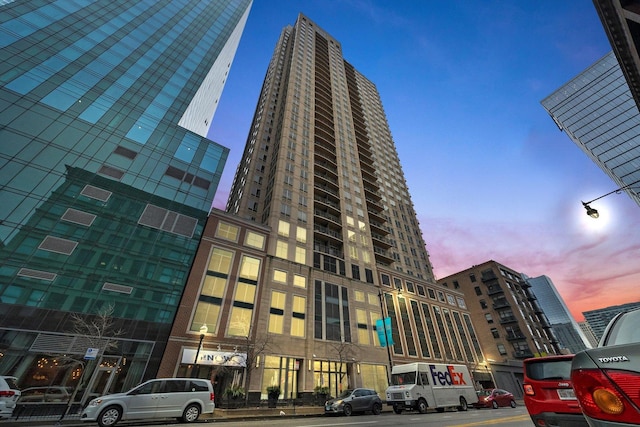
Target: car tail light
[(7, 393), (212, 396), (528, 390), (606, 395)]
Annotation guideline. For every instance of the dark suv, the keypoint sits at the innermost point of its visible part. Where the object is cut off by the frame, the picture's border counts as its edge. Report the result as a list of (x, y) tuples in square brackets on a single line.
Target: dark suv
[(548, 392), (356, 400)]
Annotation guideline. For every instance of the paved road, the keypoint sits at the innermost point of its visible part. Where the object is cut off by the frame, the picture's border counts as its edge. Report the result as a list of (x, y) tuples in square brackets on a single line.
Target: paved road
[(503, 417)]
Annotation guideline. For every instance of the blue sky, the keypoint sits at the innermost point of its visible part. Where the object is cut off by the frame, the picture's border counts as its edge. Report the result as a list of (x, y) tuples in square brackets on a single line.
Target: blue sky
[(490, 174)]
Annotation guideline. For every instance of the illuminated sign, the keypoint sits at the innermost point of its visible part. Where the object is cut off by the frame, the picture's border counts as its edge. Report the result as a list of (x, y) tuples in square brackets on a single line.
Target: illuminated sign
[(217, 358)]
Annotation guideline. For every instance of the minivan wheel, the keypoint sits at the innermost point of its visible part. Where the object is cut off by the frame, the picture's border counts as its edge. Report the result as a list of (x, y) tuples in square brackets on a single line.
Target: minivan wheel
[(513, 403), (109, 416), (191, 413)]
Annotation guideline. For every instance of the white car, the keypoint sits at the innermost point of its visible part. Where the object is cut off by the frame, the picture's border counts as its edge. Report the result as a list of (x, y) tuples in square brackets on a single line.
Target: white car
[(9, 395), (181, 398)]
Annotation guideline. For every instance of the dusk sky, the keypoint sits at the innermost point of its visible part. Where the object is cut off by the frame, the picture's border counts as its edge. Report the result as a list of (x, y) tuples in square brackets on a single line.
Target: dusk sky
[(490, 174)]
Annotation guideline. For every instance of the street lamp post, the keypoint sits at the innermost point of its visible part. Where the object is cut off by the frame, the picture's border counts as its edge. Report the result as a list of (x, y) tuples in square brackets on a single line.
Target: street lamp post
[(386, 336), (203, 332), (593, 213)]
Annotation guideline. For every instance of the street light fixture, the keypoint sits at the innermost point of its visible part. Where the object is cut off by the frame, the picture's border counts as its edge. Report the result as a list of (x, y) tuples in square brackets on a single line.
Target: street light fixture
[(203, 332), (593, 213)]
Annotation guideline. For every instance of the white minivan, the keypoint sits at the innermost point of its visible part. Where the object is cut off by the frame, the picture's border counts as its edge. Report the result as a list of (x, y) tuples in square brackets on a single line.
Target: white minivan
[(181, 398)]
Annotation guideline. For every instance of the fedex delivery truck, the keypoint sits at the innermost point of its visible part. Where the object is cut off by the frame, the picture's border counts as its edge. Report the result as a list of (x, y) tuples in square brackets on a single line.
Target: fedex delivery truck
[(421, 386)]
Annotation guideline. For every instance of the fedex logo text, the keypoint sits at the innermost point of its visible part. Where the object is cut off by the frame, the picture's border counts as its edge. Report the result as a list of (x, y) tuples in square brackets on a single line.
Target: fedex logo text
[(448, 377)]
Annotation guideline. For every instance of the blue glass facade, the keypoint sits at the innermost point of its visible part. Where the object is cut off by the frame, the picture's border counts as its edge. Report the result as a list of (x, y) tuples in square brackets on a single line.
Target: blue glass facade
[(598, 113), (103, 194)]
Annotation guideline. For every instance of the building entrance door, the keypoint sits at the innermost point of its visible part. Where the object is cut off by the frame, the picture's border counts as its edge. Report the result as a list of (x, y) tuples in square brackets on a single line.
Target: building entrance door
[(102, 378)]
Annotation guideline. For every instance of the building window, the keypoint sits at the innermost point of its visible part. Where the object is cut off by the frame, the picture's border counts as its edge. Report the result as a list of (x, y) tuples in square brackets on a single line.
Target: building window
[(385, 279), (283, 228), (299, 308), (368, 273), (211, 295), (279, 276), (331, 318), (495, 333), (364, 337), (227, 232), (276, 312), (501, 349), (301, 255), (488, 317), (299, 281), (410, 288), (244, 299), (483, 304), (254, 240), (478, 290), (448, 351), (472, 277), (301, 234), (282, 249), (355, 271)]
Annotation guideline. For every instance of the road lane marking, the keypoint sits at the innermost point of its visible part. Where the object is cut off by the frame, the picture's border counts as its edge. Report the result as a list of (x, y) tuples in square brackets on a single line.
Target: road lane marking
[(343, 424), (496, 421)]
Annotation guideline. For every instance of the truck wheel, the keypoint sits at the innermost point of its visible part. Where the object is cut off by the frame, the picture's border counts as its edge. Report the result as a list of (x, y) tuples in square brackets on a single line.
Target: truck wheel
[(397, 408), (422, 406), (463, 404)]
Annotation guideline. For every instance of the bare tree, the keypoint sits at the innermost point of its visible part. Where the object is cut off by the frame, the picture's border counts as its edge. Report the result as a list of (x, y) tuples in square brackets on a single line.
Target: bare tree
[(99, 330), (95, 331), (347, 352), (253, 350)]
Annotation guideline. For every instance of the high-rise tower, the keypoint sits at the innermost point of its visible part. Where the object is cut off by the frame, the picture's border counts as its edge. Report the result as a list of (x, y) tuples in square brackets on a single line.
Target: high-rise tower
[(107, 175), (569, 333), (321, 171), (597, 112)]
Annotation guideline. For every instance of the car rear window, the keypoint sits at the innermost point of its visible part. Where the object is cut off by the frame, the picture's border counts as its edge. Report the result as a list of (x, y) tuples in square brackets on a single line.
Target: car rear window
[(549, 370), (625, 330), (199, 386), (11, 383)]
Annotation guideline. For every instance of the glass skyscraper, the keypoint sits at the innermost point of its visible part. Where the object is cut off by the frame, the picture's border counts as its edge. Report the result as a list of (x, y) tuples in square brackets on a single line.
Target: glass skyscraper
[(567, 330), (598, 113), (106, 174)]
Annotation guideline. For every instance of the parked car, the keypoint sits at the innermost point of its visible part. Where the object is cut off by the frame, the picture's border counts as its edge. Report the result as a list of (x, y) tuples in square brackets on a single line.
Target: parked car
[(46, 394), (9, 395), (181, 398), (356, 400), (494, 398), (548, 392), (606, 379)]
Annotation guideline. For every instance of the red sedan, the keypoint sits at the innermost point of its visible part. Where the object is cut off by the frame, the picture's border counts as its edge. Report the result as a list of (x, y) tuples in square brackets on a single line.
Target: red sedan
[(493, 398)]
